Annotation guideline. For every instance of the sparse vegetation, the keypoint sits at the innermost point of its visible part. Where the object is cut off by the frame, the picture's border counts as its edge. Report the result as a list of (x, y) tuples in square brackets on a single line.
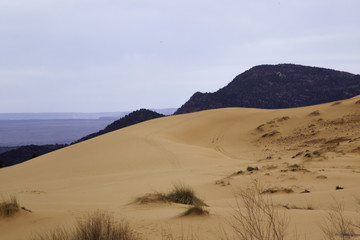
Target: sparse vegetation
[(321, 177), (179, 194), (185, 195), (270, 134), (196, 211), (151, 198), (96, 226), (9, 207), (255, 216), (308, 206), (270, 167), (260, 127), (223, 182), (297, 154), (337, 226), (250, 169), (314, 113), (277, 190), (284, 118)]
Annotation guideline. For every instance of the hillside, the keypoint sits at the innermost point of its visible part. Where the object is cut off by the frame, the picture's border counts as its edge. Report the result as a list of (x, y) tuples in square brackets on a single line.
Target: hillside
[(24, 153), (278, 86), (307, 158)]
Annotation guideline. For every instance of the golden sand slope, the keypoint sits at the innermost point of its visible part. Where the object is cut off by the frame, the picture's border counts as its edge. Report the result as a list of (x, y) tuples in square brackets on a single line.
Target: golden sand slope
[(312, 148)]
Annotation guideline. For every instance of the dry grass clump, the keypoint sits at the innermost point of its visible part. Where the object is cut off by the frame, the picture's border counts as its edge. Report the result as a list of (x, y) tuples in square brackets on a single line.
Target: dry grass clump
[(307, 206), (151, 198), (196, 211), (59, 233), (314, 113), (9, 207), (277, 190), (255, 216), (96, 226), (179, 194), (335, 103), (185, 195)]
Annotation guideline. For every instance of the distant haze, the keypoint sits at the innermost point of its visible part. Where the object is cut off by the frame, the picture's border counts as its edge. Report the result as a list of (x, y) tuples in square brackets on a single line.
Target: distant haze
[(50, 128), (41, 132), (74, 115), (110, 56)]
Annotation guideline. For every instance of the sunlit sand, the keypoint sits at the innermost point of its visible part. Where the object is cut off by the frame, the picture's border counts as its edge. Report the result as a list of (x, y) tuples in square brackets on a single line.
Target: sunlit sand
[(300, 155)]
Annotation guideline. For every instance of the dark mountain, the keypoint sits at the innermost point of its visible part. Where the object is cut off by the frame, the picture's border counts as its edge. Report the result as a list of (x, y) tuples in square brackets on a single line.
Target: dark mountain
[(6, 149), (24, 153), (132, 118), (278, 86)]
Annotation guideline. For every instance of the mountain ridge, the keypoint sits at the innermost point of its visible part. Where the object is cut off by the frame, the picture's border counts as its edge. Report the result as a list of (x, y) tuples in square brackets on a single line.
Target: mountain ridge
[(278, 86)]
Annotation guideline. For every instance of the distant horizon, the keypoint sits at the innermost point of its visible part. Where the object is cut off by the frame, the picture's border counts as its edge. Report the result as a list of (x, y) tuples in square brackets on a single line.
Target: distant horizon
[(74, 115)]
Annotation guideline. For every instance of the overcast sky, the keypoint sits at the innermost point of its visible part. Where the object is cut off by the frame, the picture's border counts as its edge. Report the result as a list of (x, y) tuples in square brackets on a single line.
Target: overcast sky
[(115, 55)]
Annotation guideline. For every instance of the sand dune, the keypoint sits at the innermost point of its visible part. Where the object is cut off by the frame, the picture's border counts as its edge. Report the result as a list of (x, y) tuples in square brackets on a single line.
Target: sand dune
[(312, 148)]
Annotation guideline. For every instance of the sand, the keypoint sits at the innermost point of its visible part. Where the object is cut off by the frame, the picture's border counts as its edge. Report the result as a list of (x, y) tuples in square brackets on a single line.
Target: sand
[(312, 148)]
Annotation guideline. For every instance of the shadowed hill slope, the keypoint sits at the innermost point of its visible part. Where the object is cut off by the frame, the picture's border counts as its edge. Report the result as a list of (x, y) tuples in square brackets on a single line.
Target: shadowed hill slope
[(24, 153), (278, 86), (132, 118)]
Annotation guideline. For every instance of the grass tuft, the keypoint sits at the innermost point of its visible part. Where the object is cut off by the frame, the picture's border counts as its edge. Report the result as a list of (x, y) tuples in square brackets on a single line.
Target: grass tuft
[(179, 194), (151, 198), (96, 226), (196, 211), (9, 207), (185, 195)]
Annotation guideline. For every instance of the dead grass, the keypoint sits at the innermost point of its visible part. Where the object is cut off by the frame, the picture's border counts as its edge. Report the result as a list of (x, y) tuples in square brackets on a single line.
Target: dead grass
[(196, 211), (151, 198), (314, 113), (308, 205), (180, 193), (99, 225), (337, 226), (9, 207), (255, 216), (277, 190)]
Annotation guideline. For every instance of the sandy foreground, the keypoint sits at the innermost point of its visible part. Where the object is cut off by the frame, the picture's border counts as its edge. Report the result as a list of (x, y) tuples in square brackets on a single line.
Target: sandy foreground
[(313, 148)]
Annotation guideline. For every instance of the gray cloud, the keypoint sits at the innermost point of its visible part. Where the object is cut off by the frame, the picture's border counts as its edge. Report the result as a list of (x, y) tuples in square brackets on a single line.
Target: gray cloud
[(122, 55)]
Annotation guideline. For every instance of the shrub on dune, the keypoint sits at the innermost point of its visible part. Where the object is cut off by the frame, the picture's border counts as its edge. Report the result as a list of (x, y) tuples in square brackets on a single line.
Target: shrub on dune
[(255, 216), (185, 195), (196, 211), (96, 226), (179, 194), (9, 207)]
